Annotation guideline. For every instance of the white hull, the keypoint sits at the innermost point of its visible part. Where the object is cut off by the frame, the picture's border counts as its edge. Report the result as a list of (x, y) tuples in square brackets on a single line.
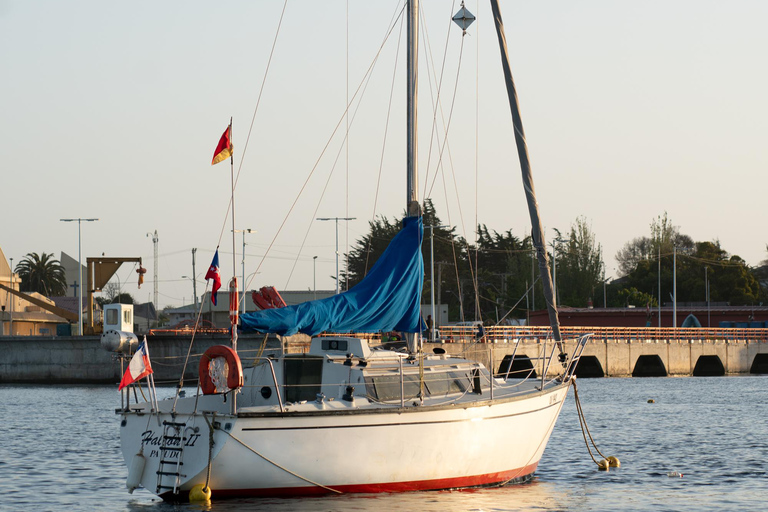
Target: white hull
[(316, 449)]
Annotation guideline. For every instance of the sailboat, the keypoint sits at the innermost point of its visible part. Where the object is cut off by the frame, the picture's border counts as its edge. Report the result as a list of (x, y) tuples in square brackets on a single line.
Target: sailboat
[(348, 415)]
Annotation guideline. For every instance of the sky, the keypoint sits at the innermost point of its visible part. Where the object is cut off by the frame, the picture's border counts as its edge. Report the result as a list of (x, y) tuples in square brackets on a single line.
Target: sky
[(113, 110)]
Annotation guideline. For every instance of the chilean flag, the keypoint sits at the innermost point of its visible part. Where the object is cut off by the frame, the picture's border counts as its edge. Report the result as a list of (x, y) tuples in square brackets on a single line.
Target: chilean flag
[(213, 273), (138, 367)]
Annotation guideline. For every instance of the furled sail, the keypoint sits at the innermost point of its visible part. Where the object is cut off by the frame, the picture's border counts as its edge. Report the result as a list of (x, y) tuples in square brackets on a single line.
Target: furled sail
[(387, 299)]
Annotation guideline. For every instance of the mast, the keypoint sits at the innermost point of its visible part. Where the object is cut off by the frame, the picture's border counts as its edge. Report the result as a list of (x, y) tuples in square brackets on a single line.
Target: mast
[(412, 87), (525, 166), (233, 294), (413, 341)]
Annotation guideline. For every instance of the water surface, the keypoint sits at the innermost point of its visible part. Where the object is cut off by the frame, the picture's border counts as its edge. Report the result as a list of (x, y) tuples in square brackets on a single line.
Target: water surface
[(59, 450)]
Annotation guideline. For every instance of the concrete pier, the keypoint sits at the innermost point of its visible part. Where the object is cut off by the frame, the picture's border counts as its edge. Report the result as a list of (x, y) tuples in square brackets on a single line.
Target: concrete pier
[(82, 360), (629, 352), (609, 353)]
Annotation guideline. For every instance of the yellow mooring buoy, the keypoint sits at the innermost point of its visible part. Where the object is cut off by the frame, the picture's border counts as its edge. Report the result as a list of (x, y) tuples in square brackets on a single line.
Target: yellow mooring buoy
[(200, 493), (603, 465), (613, 462)]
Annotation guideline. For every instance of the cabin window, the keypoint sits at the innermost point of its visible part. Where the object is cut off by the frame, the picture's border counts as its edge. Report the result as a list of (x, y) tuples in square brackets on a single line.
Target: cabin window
[(384, 388), (332, 344), (112, 316), (303, 377), (126, 317), (445, 383), (387, 387)]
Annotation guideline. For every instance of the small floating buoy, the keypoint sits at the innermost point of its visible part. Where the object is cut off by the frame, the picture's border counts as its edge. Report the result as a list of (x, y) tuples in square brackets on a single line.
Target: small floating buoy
[(200, 493), (613, 462), (651, 401), (674, 474), (603, 465)]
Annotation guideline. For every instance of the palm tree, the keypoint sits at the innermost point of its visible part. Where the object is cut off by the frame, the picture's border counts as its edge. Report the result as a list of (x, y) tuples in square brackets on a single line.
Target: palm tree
[(43, 274)]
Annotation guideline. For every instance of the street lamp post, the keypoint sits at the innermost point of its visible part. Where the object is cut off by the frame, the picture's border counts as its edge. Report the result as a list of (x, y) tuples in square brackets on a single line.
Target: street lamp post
[(243, 231), (555, 241), (193, 288), (337, 219), (674, 287), (314, 277), (706, 292), (155, 239), (10, 332), (432, 278), (79, 269)]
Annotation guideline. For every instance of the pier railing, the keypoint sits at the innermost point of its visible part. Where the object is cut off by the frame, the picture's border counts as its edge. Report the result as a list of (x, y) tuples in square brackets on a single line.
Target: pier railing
[(511, 334)]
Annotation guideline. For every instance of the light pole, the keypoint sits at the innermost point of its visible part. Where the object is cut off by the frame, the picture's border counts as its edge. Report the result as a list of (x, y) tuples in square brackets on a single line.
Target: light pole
[(194, 284), (555, 241), (706, 291), (10, 332), (79, 269), (155, 239), (243, 231), (337, 219), (432, 278), (314, 277), (674, 287)]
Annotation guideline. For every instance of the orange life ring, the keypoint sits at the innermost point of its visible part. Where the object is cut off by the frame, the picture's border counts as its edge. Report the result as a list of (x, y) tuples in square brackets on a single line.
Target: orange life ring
[(235, 369)]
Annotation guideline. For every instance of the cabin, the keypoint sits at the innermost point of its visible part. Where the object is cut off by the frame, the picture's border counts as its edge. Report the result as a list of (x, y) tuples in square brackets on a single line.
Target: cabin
[(347, 369)]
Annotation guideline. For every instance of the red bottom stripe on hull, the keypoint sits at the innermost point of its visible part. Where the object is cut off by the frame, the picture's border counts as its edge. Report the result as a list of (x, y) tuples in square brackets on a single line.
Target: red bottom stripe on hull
[(516, 475)]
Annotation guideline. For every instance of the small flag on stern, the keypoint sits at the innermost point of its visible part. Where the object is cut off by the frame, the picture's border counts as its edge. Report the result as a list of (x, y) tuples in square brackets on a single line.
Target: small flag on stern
[(139, 366), (224, 149), (213, 273)]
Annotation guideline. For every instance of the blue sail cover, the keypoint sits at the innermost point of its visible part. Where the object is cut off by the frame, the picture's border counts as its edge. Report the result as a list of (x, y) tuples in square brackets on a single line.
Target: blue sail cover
[(387, 299)]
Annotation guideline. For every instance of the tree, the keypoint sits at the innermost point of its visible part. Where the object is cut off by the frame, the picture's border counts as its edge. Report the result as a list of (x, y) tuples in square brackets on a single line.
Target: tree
[(115, 296), (728, 277), (664, 238), (503, 273), (579, 266), (633, 297), (368, 249), (42, 274)]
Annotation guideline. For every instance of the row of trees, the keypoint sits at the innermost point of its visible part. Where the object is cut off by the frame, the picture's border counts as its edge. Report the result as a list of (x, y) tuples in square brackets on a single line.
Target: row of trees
[(491, 278)]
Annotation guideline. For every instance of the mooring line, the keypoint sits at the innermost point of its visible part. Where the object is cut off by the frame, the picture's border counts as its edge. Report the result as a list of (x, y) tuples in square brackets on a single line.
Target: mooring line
[(279, 466)]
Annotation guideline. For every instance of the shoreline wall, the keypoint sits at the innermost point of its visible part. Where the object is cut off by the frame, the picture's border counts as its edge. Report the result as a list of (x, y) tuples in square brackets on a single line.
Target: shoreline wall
[(82, 360)]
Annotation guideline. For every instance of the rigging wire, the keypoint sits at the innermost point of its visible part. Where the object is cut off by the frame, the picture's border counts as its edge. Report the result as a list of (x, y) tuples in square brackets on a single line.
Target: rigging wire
[(253, 119), (383, 145), (346, 145), (435, 100), (437, 104), (364, 84), (325, 148)]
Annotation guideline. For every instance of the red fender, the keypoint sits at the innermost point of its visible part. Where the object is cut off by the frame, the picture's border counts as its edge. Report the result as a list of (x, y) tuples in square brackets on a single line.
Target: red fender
[(235, 374)]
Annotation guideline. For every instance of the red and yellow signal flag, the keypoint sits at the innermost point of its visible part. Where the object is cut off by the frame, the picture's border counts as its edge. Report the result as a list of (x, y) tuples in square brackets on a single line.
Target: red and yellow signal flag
[(224, 149)]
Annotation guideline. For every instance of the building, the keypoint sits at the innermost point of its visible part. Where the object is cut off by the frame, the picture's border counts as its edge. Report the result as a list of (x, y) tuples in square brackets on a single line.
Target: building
[(20, 317), (69, 264), (144, 317)]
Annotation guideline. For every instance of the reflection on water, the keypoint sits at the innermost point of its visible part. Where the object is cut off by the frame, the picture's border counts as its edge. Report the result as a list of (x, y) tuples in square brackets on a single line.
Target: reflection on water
[(60, 451)]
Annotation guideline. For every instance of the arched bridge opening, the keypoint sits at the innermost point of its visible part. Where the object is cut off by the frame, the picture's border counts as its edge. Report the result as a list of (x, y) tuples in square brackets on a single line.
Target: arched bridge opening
[(759, 364), (709, 366), (589, 367), (649, 366), (522, 367)]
